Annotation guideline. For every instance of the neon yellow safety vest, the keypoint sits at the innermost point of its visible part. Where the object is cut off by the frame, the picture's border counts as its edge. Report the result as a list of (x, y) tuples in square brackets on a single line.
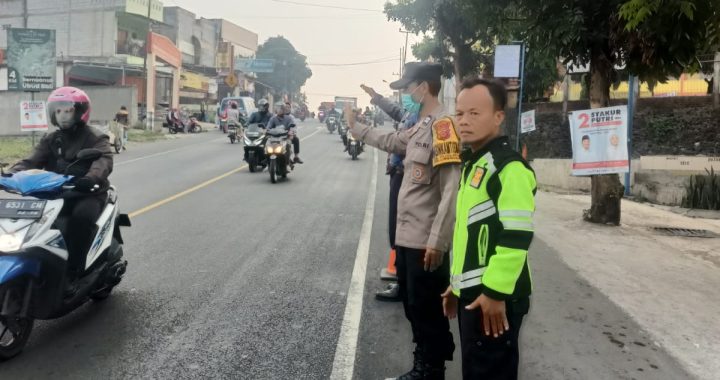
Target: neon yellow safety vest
[(493, 225)]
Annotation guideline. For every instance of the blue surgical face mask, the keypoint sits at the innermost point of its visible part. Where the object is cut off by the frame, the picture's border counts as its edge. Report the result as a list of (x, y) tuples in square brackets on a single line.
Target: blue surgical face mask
[(411, 105)]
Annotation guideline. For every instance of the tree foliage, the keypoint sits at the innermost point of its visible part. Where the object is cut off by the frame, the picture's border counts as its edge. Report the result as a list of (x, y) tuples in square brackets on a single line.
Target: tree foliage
[(463, 35), (291, 68), (653, 39)]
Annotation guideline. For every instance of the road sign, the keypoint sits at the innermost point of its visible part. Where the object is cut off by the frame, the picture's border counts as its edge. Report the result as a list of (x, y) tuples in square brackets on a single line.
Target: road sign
[(248, 65), (33, 116), (231, 80), (528, 121), (31, 59), (507, 61)]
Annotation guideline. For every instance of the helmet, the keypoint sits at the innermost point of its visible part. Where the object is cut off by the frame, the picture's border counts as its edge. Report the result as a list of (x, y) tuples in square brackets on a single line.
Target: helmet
[(263, 105), (68, 107), (233, 104)]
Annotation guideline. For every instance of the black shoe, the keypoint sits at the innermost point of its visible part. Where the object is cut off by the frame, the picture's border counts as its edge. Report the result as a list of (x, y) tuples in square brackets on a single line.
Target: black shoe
[(390, 294), (418, 370), (297, 160)]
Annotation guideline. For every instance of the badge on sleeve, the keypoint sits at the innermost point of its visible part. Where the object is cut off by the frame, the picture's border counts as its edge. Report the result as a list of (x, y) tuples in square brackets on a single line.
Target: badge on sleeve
[(477, 177), (446, 143)]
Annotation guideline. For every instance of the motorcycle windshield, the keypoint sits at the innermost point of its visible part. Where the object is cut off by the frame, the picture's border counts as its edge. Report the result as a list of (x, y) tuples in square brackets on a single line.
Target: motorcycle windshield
[(253, 130), (37, 183)]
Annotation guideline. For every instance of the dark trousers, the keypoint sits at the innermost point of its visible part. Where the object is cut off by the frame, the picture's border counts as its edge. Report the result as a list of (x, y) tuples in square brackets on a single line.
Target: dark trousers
[(485, 357), (296, 145), (396, 177), (420, 292), (83, 214)]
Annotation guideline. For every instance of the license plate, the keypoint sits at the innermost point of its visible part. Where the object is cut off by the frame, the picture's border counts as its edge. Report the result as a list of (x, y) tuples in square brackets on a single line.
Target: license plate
[(21, 209), (353, 143)]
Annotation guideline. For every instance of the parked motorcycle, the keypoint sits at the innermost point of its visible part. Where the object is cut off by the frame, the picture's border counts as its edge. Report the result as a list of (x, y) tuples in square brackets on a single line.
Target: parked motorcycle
[(192, 124), (332, 123), (277, 150), (33, 253), (254, 147)]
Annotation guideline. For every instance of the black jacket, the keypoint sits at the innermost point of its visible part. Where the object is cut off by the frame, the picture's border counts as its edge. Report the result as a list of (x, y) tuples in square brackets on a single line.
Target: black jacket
[(57, 150)]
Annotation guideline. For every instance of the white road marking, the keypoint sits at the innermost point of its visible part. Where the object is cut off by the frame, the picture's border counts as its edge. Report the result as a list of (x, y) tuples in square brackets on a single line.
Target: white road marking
[(344, 363), (165, 152)]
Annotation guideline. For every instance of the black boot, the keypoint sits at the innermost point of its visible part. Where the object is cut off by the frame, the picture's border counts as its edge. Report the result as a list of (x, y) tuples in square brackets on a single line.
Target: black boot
[(390, 294), (419, 367), (435, 371)]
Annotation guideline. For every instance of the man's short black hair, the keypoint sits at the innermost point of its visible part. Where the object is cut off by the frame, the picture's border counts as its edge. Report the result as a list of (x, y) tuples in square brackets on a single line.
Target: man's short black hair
[(497, 90), (586, 137), (123, 108)]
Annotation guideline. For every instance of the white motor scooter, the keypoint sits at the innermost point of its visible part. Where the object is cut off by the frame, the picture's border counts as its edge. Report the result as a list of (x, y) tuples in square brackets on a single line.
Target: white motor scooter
[(34, 256)]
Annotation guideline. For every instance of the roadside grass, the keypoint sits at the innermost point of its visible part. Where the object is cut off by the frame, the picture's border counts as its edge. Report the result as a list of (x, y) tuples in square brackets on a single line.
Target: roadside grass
[(138, 135), (13, 149)]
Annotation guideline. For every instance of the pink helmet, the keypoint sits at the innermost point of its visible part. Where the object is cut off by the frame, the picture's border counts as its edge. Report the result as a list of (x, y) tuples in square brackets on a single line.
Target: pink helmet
[(68, 106)]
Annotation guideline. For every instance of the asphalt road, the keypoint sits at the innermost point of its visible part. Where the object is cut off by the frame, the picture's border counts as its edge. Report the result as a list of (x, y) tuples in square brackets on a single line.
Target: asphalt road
[(232, 277)]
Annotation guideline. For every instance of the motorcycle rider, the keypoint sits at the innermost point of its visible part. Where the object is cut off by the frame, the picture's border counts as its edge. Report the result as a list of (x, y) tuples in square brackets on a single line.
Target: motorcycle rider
[(233, 113), (173, 118), (262, 115), (282, 117), (69, 110)]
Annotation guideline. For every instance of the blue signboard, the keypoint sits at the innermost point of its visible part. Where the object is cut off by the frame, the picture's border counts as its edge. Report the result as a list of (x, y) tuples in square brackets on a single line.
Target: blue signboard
[(249, 65)]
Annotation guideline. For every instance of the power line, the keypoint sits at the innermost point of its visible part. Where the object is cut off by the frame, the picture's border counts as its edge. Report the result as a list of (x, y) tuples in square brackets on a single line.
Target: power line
[(327, 6), (382, 60), (347, 17)]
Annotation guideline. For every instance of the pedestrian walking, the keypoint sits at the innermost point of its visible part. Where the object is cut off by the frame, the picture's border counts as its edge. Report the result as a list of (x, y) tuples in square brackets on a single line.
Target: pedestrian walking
[(425, 213), (490, 278)]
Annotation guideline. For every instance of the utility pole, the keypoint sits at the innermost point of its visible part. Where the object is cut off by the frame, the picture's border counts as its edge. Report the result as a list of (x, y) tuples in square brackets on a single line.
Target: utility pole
[(404, 58), (716, 80), (148, 123)]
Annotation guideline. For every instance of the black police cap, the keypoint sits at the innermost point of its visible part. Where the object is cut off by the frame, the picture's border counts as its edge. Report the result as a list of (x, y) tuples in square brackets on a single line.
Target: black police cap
[(418, 72)]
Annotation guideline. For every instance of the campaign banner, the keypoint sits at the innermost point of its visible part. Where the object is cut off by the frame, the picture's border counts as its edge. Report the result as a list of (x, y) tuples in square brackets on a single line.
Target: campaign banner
[(33, 116), (599, 141), (31, 59)]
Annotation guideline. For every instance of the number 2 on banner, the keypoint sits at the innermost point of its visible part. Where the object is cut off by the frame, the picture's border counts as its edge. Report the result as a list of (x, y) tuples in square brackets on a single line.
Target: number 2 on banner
[(585, 119)]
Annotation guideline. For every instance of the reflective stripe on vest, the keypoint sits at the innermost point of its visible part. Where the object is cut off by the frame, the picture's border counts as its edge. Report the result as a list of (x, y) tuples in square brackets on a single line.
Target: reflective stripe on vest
[(468, 279)]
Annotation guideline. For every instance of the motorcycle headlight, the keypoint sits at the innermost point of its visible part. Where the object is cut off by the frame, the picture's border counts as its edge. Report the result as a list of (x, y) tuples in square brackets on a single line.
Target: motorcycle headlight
[(11, 242)]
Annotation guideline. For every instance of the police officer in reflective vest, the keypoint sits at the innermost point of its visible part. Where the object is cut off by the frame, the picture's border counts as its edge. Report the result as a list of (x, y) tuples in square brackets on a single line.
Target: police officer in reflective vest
[(425, 214), (490, 278)]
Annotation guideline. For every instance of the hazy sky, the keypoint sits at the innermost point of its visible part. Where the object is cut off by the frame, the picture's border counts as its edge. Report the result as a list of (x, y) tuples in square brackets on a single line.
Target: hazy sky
[(325, 36)]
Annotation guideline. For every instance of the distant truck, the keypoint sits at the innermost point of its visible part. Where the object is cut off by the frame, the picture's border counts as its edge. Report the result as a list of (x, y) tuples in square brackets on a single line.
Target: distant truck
[(341, 101), (326, 105)]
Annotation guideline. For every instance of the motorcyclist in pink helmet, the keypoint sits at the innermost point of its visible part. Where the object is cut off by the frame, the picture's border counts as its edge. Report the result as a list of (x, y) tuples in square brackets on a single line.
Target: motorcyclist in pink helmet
[(69, 111)]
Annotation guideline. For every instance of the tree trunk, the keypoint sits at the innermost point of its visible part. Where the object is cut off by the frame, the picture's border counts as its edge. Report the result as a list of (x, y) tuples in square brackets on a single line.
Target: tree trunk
[(606, 190), (463, 63)]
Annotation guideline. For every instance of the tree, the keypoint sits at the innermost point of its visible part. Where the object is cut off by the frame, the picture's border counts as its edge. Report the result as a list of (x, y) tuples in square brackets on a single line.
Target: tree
[(654, 39), (458, 25), (464, 36), (291, 68)]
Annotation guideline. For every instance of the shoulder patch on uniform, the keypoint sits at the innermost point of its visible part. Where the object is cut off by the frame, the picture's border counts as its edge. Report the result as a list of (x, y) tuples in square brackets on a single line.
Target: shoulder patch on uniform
[(446, 143), (477, 177)]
